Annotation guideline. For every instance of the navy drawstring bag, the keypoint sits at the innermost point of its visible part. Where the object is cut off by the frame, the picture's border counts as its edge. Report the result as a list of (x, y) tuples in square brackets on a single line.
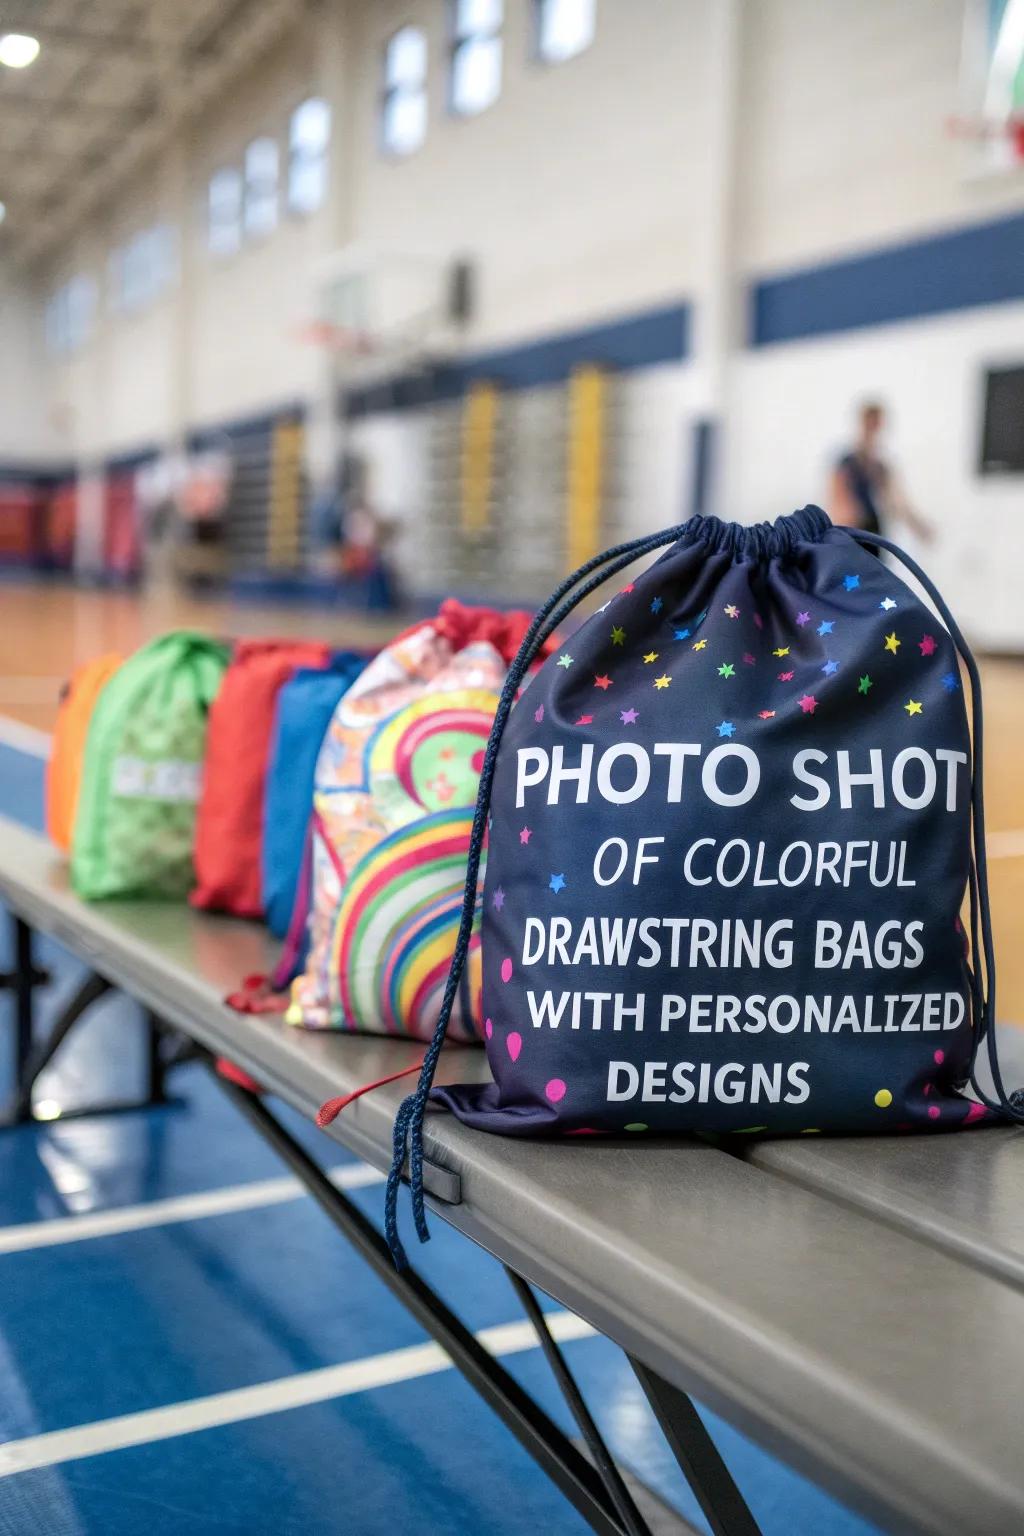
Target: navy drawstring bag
[(731, 824)]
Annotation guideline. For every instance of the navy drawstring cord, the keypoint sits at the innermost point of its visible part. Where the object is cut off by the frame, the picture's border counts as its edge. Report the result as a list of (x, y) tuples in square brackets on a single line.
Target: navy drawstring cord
[(409, 1119), (983, 991)]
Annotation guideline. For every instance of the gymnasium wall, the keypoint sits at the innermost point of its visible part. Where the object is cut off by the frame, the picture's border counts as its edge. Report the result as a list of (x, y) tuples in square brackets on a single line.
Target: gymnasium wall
[(842, 119), (220, 342), (726, 159), (26, 436), (576, 227), (245, 311), (575, 191), (866, 246)]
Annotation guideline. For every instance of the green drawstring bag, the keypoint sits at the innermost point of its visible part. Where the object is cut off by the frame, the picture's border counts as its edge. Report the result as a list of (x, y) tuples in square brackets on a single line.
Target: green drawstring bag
[(135, 825)]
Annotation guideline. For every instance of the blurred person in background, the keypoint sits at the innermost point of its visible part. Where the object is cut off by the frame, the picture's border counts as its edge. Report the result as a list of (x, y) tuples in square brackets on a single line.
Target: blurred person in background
[(364, 537), (865, 491)]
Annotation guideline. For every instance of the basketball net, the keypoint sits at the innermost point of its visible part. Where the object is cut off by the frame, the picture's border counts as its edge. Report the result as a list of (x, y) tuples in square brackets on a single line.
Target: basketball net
[(339, 340)]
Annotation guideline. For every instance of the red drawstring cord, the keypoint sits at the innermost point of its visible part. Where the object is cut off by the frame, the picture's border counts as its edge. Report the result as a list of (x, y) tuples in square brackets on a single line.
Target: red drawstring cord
[(333, 1107), (238, 1076)]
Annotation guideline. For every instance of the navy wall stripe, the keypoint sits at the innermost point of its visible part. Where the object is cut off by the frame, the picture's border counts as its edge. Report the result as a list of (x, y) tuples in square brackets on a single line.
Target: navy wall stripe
[(961, 269), (638, 341), (261, 425), (123, 463), (37, 476)]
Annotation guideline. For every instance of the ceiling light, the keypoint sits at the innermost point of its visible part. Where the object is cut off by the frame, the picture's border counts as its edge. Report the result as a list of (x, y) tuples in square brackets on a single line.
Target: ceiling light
[(18, 50)]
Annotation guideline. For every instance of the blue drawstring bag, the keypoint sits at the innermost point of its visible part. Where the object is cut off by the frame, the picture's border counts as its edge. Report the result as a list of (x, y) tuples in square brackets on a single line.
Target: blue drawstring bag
[(730, 834), (305, 705)]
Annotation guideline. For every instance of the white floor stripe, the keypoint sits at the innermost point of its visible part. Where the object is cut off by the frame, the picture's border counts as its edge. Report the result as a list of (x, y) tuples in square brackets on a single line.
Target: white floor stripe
[(24, 738), (160, 1213), (62, 1445)]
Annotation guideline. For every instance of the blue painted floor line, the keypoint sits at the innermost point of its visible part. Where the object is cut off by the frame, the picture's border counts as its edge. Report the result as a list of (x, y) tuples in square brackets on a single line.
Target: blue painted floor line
[(156, 1263)]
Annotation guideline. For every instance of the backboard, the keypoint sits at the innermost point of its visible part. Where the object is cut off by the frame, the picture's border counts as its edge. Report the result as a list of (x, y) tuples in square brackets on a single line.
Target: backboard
[(376, 309), (991, 118)]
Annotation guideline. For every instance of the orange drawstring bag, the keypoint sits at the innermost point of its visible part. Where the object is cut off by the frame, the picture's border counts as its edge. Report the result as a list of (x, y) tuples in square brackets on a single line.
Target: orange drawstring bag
[(64, 770)]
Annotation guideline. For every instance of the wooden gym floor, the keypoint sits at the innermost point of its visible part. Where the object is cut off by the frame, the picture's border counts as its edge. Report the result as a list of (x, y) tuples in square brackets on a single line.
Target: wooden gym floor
[(46, 630)]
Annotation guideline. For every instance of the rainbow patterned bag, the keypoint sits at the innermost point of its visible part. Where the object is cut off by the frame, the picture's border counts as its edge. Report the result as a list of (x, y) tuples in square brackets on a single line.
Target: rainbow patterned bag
[(396, 782)]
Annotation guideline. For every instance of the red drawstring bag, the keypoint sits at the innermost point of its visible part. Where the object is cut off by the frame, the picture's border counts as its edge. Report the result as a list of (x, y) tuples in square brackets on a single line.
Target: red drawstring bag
[(229, 828)]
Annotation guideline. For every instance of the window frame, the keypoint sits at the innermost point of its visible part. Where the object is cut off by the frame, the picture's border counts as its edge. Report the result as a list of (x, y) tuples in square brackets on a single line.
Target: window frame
[(258, 190), (69, 328), (221, 174), (555, 61), (153, 250), (299, 154), (390, 92), (457, 41)]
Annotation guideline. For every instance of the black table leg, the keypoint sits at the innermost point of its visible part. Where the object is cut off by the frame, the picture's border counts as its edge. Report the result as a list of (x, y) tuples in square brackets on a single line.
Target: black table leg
[(725, 1508), (536, 1432)]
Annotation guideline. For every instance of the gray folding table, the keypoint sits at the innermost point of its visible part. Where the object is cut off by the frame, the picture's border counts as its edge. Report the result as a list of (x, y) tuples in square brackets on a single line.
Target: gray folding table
[(855, 1305)]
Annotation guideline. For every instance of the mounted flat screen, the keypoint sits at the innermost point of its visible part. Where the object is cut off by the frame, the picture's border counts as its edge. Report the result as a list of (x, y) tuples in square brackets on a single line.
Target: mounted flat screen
[(1002, 431)]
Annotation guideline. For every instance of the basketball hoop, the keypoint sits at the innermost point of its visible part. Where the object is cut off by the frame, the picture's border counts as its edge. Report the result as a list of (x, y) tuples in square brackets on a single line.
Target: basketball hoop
[(989, 130)]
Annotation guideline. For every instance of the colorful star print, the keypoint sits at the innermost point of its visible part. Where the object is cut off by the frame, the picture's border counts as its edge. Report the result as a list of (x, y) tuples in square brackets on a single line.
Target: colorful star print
[(766, 714), (731, 611), (950, 682), (626, 590), (651, 656), (557, 883), (864, 684), (912, 707), (808, 703), (629, 716), (603, 682), (727, 669), (851, 583), (803, 618), (699, 645), (786, 677), (748, 660), (830, 667), (926, 645), (538, 714), (891, 643), (726, 728), (662, 681), (783, 650), (657, 605), (525, 833), (498, 899), (887, 603), (565, 660), (585, 720), (604, 607), (682, 634), (825, 627), (618, 636)]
